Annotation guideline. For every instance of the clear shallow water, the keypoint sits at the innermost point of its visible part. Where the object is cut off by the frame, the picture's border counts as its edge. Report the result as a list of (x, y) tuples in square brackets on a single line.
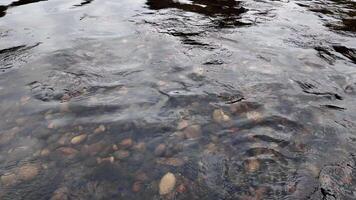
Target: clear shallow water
[(238, 99)]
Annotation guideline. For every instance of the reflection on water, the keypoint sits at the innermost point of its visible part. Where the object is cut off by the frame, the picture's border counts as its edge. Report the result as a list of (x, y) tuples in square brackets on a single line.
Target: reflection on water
[(230, 9), (3, 8), (177, 100)]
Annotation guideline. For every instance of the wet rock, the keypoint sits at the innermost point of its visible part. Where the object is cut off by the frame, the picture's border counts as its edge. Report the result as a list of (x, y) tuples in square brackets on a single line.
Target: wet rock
[(167, 183), (252, 165), (176, 162), (160, 150), (78, 139), (100, 129), (121, 154), (136, 187), (126, 143), (8, 179), (28, 172), (219, 116), (254, 116), (192, 132)]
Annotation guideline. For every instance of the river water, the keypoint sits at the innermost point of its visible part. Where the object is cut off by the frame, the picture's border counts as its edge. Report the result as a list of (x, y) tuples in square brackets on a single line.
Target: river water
[(250, 100)]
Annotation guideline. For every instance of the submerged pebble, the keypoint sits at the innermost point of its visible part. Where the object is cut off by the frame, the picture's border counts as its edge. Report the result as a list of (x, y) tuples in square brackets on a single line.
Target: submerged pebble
[(160, 150), (93, 149), (68, 151), (136, 187), (167, 183), (8, 179), (60, 194), (219, 116), (78, 139), (141, 146), (192, 132), (7, 136), (181, 188), (126, 143), (252, 165), (182, 124), (100, 129), (45, 152), (28, 172), (110, 159), (176, 162), (254, 116), (121, 154)]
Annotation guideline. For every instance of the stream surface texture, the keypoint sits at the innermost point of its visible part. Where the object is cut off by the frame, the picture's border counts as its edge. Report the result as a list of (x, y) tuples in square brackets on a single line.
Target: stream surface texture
[(250, 99)]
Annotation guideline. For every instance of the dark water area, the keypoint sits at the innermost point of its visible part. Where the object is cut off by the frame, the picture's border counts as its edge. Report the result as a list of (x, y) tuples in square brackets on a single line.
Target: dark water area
[(178, 99)]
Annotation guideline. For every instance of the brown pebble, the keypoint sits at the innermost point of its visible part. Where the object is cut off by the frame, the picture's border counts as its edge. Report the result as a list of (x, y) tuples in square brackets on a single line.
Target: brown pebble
[(179, 134), (192, 132), (60, 194), (182, 124), (21, 121), (126, 143), (176, 162), (167, 183), (115, 147), (110, 159), (64, 139), (160, 150), (136, 187), (121, 154), (93, 149), (68, 151), (210, 148), (141, 176), (28, 172), (7, 136), (64, 107), (219, 116), (78, 139), (65, 97), (45, 152), (51, 125), (8, 179), (181, 188), (24, 100), (252, 165), (254, 116), (100, 129), (141, 146)]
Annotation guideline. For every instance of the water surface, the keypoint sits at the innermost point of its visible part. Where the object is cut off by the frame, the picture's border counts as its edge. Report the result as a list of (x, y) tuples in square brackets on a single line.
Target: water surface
[(238, 99)]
